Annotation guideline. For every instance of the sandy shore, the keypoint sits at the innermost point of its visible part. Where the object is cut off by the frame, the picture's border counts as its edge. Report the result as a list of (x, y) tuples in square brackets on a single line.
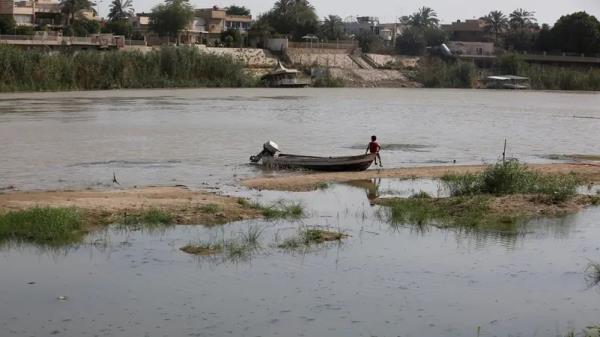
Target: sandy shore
[(187, 206), (310, 181)]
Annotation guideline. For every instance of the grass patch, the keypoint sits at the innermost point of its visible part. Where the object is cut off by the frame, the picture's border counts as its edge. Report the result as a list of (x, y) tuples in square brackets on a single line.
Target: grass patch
[(210, 208), (237, 248), (279, 210), (592, 274), (463, 212), (44, 226), (203, 248), (512, 177), (150, 218), (310, 236), (283, 210), (421, 195)]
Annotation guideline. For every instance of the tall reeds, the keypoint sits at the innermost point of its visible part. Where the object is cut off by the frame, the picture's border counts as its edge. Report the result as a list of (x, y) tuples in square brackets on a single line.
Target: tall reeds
[(89, 70)]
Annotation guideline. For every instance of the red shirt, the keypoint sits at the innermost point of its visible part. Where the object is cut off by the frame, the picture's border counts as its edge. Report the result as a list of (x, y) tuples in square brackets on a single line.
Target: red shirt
[(374, 147)]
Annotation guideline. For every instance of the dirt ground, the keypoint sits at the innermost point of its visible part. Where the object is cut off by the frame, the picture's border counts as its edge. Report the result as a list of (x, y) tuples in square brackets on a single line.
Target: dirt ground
[(188, 207), (310, 181)]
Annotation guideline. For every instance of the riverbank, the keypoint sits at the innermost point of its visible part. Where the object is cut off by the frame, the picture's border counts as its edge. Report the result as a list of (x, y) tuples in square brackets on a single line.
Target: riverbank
[(101, 207), (311, 181)]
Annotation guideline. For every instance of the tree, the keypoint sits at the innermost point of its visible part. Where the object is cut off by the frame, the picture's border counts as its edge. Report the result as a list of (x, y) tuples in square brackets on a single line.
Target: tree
[(411, 42), (496, 22), (521, 18), (118, 27), (368, 41), (332, 28), (120, 10), (295, 18), (232, 38), (71, 7), (237, 10), (521, 39), (577, 33), (171, 17), (425, 17), (545, 39), (82, 27), (7, 24)]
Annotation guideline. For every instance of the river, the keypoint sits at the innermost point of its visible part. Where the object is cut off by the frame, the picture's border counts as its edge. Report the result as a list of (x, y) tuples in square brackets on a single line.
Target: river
[(197, 137), (382, 280)]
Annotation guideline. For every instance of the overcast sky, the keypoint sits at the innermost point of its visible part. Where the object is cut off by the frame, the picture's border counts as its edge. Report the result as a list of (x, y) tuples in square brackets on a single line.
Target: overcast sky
[(547, 11)]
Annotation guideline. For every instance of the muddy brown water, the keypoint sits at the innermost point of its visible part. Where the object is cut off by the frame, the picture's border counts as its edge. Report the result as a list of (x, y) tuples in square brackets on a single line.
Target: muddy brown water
[(381, 281), (199, 136)]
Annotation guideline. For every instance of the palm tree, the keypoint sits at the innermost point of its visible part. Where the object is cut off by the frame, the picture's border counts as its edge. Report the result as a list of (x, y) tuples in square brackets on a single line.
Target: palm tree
[(521, 18), (496, 22), (72, 7), (120, 10), (332, 28), (425, 17)]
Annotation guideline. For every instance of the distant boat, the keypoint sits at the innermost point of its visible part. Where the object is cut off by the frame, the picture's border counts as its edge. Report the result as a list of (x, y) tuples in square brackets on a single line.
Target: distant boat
[(272, 158), (507, 82), (281, 77)]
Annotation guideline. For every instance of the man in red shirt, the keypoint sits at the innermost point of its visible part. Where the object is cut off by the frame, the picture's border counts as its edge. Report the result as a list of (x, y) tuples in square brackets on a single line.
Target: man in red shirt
[(374, 147)]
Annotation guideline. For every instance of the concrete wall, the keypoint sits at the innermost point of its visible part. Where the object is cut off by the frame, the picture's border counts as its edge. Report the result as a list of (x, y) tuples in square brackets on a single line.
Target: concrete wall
[(276, 45)]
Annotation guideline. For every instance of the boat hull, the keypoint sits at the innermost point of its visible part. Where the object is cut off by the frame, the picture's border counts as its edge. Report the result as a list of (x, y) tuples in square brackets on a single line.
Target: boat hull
[(331, 164)]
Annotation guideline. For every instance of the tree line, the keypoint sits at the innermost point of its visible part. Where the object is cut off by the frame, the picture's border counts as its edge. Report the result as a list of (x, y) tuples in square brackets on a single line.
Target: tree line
[(519, 30)]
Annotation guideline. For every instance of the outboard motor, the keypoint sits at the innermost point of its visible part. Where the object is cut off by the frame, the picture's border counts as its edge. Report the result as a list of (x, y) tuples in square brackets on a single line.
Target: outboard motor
[(270, 148)]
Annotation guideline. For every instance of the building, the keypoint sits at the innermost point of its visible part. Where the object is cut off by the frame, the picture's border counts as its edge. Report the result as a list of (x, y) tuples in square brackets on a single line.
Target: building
[(140, 23), (37, 14), (467, 48), (362, 24), (468, 31), (389, 32)]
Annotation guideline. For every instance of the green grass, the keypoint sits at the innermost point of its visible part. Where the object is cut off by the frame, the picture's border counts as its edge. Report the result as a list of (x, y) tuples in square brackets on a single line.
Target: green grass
[(456, 212), (150, 218), (283, 210), (240, 247), (421, 195), (31, 70), (310, 236), (279, 210), (44, 226), (512, 177)]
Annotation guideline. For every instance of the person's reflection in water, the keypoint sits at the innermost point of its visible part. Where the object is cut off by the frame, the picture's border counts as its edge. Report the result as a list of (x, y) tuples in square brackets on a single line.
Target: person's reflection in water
[(370, 186), (373, 190)]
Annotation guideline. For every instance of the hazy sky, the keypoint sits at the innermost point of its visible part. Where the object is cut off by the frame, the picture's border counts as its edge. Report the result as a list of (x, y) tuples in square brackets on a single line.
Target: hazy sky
[(547, 11)]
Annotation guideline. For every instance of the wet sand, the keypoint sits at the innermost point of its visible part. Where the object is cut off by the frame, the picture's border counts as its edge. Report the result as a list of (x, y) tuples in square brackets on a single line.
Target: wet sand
[(188, 207), (310, 181)]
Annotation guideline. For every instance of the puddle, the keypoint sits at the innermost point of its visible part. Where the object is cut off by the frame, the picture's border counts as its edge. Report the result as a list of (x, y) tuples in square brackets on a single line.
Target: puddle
[(379, 280)]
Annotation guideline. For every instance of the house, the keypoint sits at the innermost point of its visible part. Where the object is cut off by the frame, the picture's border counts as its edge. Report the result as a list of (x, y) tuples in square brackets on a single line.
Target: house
[(209, 23), (468, 31), (140, 23), (37, 14), (389, 32), (467, 48), (362, 24)]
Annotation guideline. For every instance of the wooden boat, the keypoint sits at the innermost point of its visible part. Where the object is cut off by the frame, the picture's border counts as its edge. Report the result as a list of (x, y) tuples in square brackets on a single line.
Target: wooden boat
[(270, 157), (351, 163)]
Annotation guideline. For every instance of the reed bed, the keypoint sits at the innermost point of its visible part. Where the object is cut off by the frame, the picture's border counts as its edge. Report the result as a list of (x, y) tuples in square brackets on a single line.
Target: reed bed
[(92, 70)]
